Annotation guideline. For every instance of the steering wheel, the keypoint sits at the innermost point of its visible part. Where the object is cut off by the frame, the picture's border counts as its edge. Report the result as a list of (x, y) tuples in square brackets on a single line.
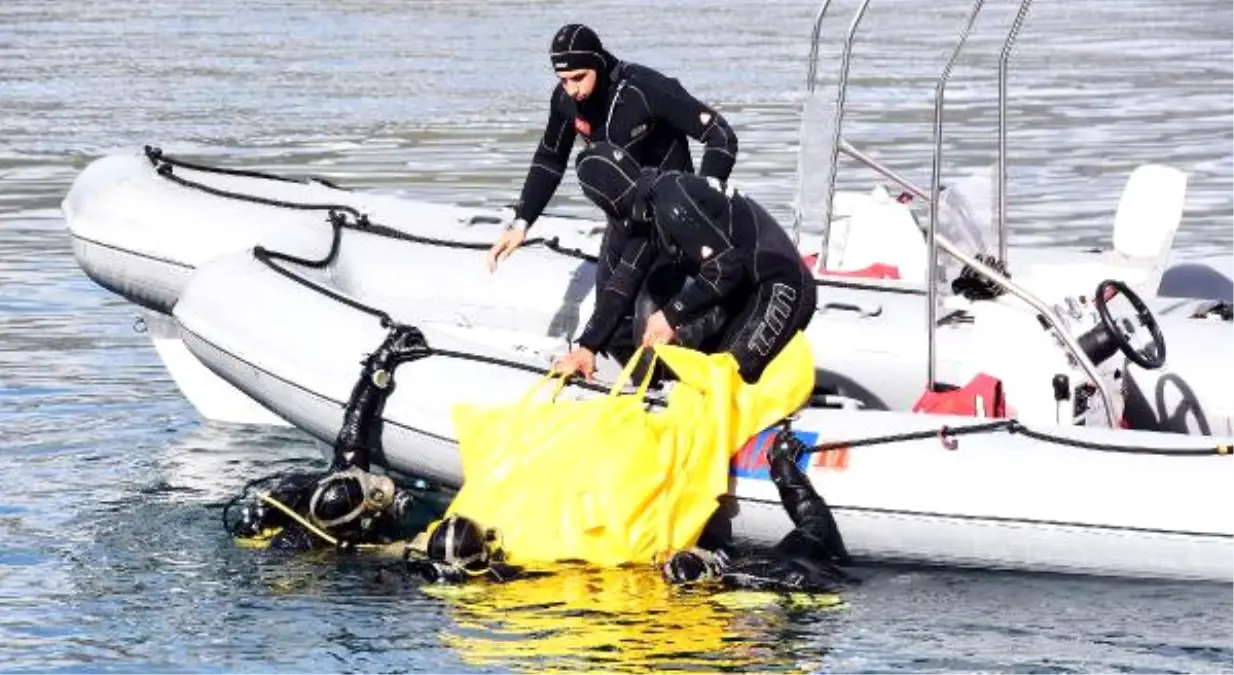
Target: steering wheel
[(1152, 355)]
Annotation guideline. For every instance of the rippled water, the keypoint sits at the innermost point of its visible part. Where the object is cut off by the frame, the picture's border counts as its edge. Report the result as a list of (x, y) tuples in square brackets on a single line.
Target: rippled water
[(111, 552)]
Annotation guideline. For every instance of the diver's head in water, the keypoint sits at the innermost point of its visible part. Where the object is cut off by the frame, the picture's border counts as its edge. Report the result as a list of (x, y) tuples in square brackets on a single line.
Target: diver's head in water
[(462, 543), (350, 499), (613, 180), (580, 61)]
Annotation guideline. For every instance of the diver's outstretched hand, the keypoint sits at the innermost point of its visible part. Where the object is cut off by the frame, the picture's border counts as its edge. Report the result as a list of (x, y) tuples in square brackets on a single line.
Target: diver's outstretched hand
[(506, 244)]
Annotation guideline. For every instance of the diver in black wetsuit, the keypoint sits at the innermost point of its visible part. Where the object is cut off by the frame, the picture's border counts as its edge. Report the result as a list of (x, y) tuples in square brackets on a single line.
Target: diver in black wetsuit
[(722, 272), (353, 507), (604, 99), (805, 560)]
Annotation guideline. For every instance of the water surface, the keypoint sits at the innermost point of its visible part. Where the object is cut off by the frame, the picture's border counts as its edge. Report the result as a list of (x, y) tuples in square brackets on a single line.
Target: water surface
[(112, 557)]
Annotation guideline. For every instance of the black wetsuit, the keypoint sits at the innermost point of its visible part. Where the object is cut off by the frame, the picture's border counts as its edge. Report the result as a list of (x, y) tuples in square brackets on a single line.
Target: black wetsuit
[(749, 290), (805, 560), (637, 108)]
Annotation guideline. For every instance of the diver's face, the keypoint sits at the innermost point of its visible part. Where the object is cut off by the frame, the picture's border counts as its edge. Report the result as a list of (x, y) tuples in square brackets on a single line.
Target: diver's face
[(578, 83)]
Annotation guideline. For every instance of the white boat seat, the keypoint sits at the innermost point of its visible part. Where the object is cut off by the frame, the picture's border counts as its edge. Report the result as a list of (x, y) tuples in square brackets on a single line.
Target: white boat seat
[(1149, 212), (1148, 216)]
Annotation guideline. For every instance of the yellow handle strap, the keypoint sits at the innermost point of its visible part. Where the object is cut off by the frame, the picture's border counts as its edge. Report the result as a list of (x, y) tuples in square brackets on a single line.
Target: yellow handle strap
[(561, 383), (627, 373)]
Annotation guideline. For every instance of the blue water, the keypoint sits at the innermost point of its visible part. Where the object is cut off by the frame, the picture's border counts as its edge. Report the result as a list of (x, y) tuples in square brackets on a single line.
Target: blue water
[(112, 555)]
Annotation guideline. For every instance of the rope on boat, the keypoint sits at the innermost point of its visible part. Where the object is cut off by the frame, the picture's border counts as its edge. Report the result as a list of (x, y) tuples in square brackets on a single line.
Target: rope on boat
[(155, 155), (164, 166), (338, 222), (947, 436)]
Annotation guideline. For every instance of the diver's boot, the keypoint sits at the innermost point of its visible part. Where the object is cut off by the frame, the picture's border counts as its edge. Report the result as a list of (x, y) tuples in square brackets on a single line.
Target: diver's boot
[(805, 506), (360, 434)]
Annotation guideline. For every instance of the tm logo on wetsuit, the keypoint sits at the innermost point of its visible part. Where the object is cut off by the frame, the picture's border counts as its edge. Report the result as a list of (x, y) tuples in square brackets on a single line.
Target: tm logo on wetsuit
[(779, 310)]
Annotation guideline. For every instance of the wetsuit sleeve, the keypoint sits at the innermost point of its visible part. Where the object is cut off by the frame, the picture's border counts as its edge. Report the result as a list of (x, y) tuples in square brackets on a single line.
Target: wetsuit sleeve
[(618, 294), (696, 230), (668, 100), (548, 164)]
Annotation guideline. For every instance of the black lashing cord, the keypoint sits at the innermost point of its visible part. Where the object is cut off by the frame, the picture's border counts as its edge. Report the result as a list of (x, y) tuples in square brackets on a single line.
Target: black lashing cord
[(947, 435), (164, 166)]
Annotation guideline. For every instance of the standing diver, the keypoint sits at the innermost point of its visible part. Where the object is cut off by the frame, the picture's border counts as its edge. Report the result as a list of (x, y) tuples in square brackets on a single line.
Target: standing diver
[(642, 111), (748, 290)]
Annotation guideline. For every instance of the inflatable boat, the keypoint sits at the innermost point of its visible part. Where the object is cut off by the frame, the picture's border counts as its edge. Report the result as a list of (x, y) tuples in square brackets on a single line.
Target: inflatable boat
[(1043, 490), (142, 223)]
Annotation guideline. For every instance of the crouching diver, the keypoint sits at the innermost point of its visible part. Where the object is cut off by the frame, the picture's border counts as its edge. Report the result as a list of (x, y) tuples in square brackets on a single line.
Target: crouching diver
[(734, 281), (805, 560), (348, 508)]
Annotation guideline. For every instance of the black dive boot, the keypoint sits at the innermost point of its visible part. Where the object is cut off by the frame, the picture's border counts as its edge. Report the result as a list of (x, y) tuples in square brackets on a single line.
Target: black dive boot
[(350, 501), (805, 506), (360, 434)]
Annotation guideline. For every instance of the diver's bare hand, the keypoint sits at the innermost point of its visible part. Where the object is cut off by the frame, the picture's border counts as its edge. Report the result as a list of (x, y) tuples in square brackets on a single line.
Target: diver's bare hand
[(509, 240), (658, 331), (580, 360)]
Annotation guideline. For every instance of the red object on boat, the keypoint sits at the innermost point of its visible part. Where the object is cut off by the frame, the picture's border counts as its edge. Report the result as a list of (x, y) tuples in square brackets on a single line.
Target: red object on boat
[(874, 271), (984, 394)]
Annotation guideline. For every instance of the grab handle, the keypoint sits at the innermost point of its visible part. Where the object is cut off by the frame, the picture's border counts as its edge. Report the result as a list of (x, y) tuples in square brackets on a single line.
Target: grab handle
[(863, 310)]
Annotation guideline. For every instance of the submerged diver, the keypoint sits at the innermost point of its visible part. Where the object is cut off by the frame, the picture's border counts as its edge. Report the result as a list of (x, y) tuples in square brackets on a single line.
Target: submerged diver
[(604, 99), (805, 560), (349, 508), (734, 282)]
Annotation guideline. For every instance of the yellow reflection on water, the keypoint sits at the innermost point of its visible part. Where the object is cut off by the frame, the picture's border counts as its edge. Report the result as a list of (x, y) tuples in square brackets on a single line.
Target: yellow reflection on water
[(620, 620)]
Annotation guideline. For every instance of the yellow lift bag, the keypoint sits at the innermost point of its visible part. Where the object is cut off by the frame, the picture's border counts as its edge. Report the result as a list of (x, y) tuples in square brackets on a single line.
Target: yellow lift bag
[(607, 481)]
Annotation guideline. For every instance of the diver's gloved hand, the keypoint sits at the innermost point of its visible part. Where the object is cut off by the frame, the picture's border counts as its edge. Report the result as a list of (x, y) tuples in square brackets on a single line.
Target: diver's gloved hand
[(694, 564), (786, 446)]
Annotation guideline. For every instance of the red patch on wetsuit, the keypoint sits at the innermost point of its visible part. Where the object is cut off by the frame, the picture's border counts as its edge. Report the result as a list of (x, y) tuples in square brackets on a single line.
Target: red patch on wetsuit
[(582, 126)]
